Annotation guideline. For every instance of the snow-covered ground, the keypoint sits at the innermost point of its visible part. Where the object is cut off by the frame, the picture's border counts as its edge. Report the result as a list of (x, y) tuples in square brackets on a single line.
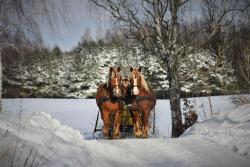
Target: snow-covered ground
[(39, 140), (230, 129), (81, 113)]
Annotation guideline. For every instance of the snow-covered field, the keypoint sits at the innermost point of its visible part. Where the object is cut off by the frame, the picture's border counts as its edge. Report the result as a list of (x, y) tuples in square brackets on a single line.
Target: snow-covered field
[(37, 139), (81, 113)]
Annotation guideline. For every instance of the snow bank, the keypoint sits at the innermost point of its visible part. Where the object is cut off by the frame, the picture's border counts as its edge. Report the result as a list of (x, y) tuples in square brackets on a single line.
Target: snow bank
[(44, 121), (81, 113), (39, 140), (230, 129)]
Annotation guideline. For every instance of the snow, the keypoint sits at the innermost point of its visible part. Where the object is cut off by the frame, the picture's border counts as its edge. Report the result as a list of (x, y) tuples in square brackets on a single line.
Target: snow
[(163, 152), (79, 74), (230, 129), (39, 140), (81, 113)]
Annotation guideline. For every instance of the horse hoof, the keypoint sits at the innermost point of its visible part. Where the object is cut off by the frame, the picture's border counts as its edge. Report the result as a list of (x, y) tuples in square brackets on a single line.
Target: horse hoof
[(138, 134), (144, 136), (105, 136), (116, 136)]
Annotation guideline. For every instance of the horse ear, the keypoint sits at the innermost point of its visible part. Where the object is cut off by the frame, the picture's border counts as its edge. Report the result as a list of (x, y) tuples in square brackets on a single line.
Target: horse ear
[(111, 69), (118, 69), (131, 69), (139, 69)]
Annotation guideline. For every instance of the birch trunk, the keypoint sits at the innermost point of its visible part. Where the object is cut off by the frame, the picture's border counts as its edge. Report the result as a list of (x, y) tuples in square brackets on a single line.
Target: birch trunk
[(170, 59)]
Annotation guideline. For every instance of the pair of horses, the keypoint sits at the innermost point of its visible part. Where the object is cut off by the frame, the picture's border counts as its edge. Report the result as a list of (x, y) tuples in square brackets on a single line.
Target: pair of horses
[(119, 91)]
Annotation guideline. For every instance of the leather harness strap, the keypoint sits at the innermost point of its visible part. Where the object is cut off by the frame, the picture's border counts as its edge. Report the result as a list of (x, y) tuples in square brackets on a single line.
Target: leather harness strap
[(102, 100), (138, 98)]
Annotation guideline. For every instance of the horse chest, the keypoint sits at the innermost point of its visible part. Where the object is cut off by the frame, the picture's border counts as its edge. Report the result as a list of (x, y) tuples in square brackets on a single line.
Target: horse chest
[(142, 105), (110, 106)]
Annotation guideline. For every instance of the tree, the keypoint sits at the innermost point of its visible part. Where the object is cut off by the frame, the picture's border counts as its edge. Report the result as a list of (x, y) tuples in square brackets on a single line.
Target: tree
[(25, 16), (86, 39), (245, 69), (107, 37), (56, 51), (19, 21), (156, 25), (100, 36), (146, 20), (218, 16)]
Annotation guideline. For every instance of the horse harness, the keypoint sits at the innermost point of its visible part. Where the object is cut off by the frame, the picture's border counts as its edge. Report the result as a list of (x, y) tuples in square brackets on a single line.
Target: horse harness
[(100, 101)]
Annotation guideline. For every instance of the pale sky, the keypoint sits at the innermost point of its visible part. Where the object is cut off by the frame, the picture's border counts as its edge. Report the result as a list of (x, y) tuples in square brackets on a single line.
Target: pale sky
[(83, 17)]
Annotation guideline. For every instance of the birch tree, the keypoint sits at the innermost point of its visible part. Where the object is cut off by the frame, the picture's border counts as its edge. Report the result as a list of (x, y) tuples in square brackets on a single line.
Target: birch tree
[(155, 24), (146, 20)]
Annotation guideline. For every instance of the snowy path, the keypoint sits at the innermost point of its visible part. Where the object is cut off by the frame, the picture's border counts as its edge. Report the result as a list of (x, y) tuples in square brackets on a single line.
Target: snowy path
[(162, 152)]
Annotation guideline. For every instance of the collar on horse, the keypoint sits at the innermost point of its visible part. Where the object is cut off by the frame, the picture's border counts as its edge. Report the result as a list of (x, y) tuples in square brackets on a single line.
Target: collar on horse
[(104, 99)]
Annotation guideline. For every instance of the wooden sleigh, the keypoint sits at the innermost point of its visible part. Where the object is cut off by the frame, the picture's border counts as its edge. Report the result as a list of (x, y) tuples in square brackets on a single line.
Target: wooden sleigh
[(127, 124)]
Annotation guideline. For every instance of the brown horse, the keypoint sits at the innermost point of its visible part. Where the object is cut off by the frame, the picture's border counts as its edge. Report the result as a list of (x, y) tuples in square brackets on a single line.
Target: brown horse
[(108, 99), (143, 101)]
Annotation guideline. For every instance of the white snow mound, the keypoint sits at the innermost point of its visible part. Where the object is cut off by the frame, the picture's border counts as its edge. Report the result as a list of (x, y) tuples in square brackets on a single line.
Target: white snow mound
[(39, 140), (44, 120), (230, 129)]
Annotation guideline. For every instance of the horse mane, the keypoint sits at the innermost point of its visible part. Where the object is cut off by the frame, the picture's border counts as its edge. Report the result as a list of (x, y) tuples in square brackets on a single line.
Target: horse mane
[(144, 83), (108, 80)]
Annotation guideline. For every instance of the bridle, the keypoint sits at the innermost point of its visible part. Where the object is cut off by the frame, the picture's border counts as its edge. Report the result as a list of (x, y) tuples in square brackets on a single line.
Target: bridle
[(134, 85), (116, 81), (135, 81), (116, 86)]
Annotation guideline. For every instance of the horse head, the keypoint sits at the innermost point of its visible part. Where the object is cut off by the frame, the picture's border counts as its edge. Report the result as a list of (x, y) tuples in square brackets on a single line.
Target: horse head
[(135, 80), (115, 81)]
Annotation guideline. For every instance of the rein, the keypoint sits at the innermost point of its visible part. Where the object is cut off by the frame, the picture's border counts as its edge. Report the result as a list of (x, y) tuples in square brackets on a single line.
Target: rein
[(110, 98)]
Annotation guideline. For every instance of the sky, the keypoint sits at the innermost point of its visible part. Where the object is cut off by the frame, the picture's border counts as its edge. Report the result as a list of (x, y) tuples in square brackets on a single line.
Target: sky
[(83, 17), (66, 37)]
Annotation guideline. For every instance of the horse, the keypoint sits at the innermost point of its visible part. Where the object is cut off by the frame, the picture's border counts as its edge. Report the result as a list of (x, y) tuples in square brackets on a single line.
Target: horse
[(143, 101), (109, 100)]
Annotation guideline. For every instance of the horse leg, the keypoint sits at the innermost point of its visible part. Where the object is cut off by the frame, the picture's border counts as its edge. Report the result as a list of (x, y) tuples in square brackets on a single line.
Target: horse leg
[(106, 122), (134, 122), (145, 124), (137, 125), (117, 124)]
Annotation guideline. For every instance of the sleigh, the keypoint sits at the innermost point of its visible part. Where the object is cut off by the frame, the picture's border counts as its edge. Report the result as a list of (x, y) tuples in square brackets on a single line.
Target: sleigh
[(127, 123)]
